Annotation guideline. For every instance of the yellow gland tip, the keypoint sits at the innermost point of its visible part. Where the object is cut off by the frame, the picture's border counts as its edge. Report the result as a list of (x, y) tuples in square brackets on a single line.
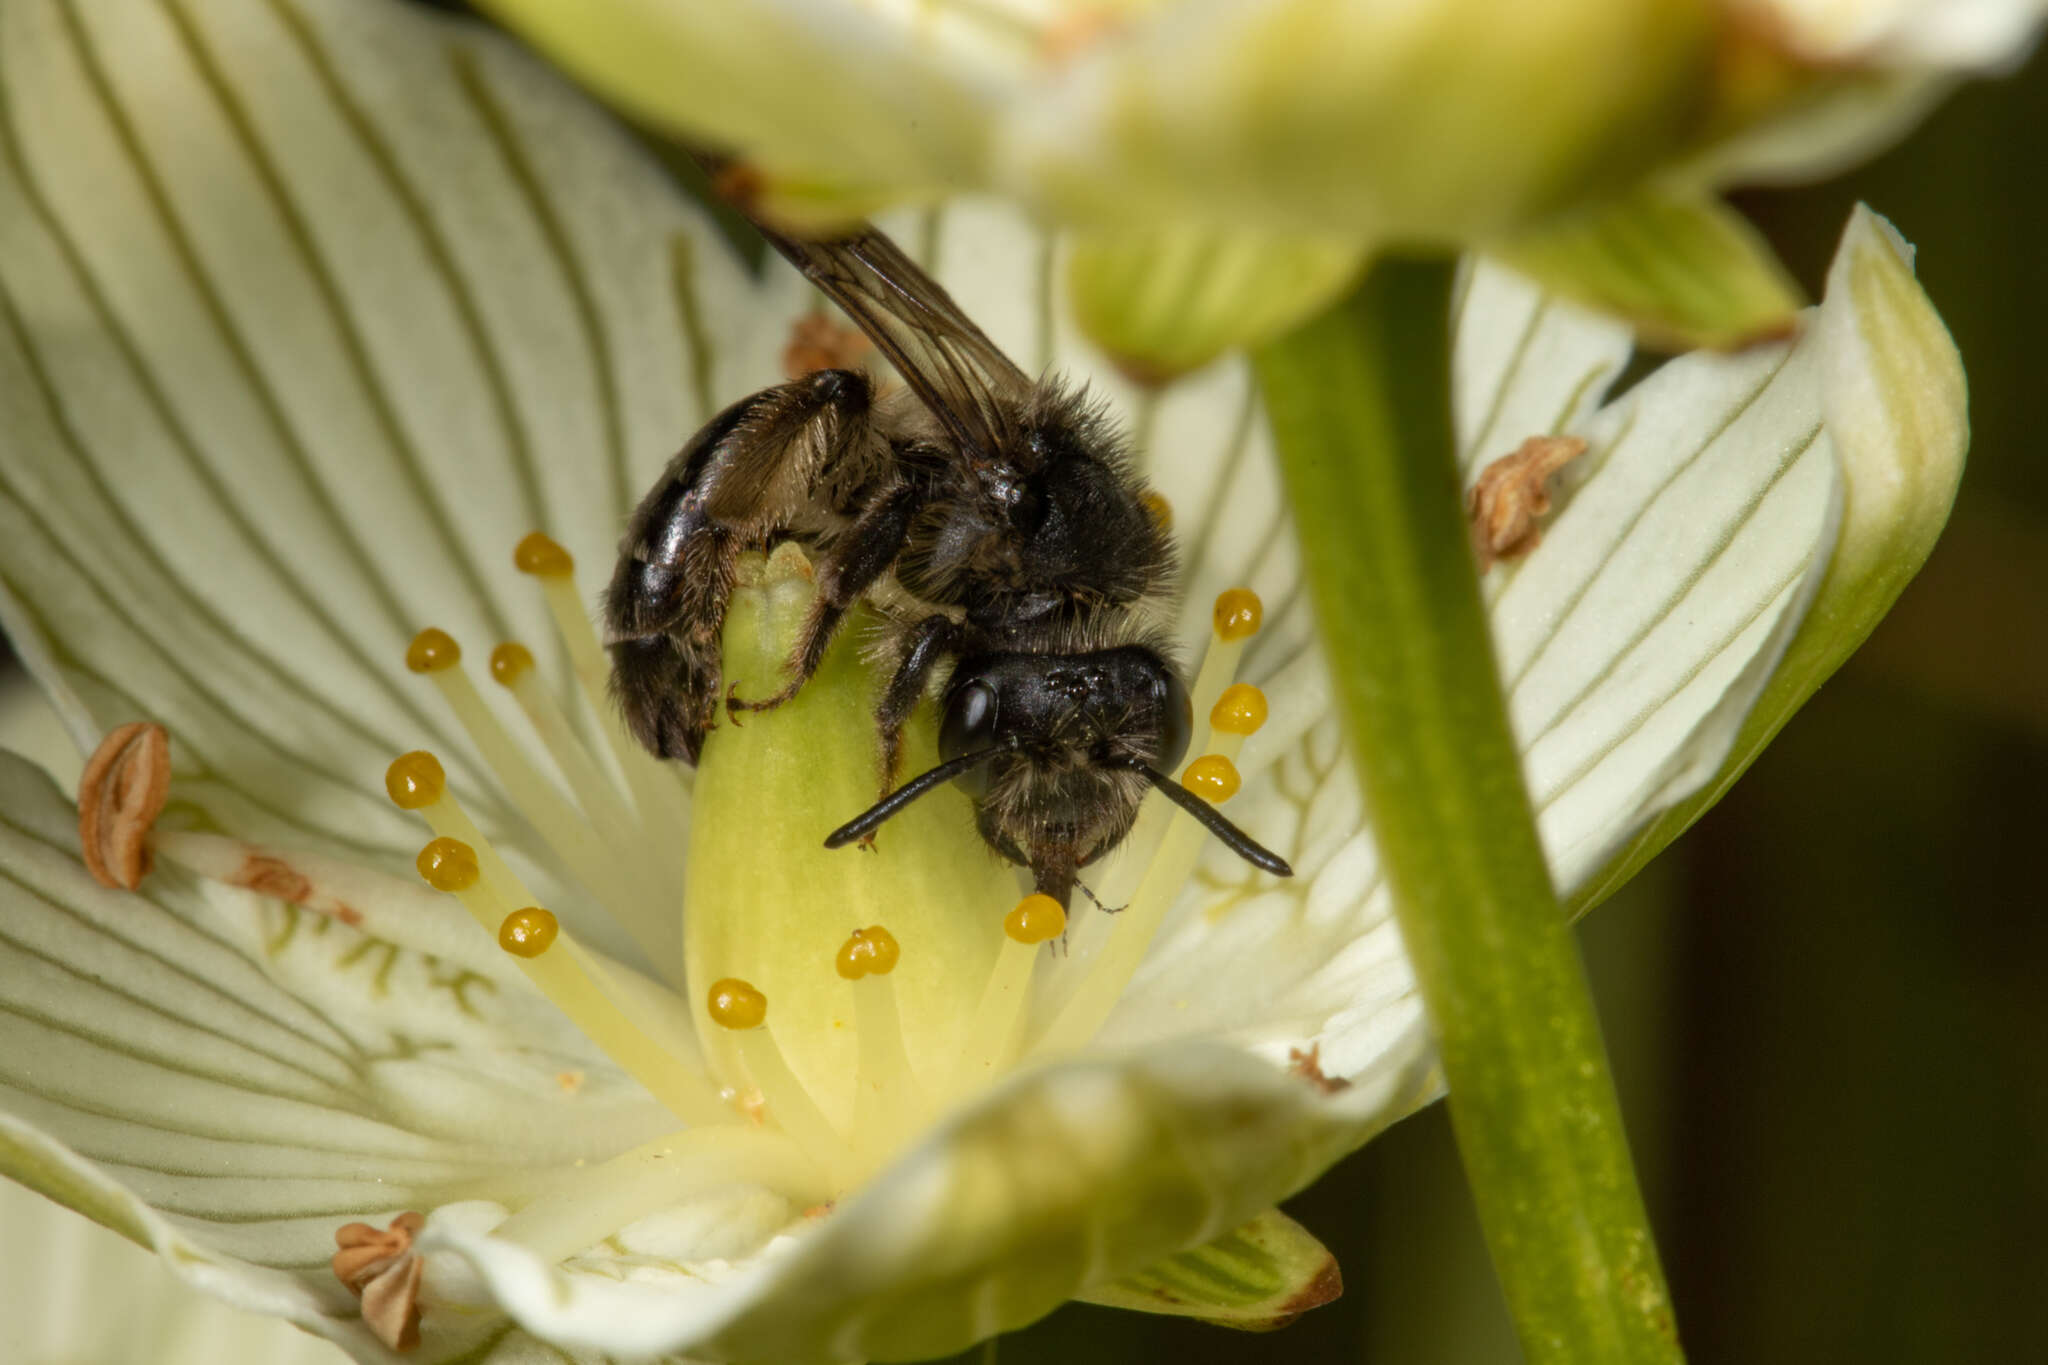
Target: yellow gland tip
[(542, 555), (529, 932), (432, 650), (1212, 777), (1037, 918), (1238, 613), (448, 865), (734, 1004), (1160, 509), (1241, 710), (509, 661), (872, 951), (415, 781)]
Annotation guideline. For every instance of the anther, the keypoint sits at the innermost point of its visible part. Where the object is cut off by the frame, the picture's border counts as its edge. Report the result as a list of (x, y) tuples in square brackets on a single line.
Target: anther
[(120, 794), (510, 661), (1037, 918), (448, 865), (1238, 613), (1212, 777), (1241, 710), (1160, 510), (431, 651), (380, 1269), (872, 951), (542, 556), (529, 932), (415, 781), (734, 1004)]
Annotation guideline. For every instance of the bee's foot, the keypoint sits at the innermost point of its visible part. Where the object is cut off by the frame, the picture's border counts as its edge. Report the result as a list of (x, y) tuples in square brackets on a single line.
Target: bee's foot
[(867, 843), (735, 704)]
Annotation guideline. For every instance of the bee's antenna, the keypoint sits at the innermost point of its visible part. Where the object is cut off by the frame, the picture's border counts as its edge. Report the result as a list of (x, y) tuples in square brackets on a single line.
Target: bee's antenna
[(870, 820), (1213, 820)]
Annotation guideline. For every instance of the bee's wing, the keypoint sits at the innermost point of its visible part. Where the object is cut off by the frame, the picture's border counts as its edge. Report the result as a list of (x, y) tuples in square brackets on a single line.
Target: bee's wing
[(969, 385)]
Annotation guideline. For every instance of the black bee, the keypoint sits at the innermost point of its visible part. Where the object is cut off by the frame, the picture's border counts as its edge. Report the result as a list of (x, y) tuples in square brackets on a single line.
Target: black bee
[(1021, 552)]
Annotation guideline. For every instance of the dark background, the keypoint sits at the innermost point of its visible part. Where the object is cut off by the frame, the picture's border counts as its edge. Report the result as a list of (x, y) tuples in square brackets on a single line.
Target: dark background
[(1825, 1003)]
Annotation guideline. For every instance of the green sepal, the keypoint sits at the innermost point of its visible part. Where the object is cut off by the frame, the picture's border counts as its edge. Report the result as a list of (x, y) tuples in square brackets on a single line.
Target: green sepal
[(1167, 301), (1256, 1278), (1682, 268)]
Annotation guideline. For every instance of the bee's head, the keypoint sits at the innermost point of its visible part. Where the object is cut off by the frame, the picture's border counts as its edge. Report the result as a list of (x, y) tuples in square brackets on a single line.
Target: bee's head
[(1057, 751), (1070, 735)]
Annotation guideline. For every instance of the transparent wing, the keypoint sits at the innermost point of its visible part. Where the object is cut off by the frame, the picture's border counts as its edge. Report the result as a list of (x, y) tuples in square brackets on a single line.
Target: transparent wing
[(970, 386)]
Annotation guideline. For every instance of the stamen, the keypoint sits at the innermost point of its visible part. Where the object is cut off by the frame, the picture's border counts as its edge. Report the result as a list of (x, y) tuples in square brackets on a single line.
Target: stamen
[(658, 793), (1234, 713), (993, 1034), (120, 794), (1160, 509), (887, 1101), (417, 782), (591, 1204), (380, 1269), (736, 1005)]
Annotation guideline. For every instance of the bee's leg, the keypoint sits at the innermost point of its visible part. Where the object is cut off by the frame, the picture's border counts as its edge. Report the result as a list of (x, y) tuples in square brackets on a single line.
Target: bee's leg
[(666, 619), (738, 483), (862, 555), (930, 640)]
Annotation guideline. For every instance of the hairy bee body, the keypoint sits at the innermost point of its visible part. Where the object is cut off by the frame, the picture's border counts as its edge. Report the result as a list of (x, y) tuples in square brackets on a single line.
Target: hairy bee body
[(995, 520)]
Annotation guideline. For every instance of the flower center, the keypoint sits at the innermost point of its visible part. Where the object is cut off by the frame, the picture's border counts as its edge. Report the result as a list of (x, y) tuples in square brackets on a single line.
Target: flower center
[(819, 1006)]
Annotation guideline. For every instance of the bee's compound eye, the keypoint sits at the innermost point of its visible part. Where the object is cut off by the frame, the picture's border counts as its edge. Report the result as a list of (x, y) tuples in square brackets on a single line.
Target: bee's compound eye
[(1176, 719), (969, 722)]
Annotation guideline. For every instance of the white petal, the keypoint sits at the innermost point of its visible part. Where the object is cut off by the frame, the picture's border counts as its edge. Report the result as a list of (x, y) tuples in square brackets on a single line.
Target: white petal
[(260, 1074), (1632, 641), (1064, 1177), (1987, 35), (308, 311)]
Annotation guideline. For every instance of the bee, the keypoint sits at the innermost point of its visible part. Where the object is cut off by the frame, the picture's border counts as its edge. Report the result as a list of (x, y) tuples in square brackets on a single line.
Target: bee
[(994, 520)]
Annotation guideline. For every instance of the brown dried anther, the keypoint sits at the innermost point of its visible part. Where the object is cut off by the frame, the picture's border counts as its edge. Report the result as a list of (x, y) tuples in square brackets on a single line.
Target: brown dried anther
[(816, 342), (120, 794), (1309, 1066), (1510, 496), (380, 1269)]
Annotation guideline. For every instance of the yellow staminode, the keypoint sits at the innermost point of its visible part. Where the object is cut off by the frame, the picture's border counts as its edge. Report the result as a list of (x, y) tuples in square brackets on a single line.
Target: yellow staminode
[(417, 782), (1213, 775), (888, 1104), (1238, 614), (1241, 710), (736, 1004), (431, 651), (529, 932), (542, 556), (448, 865), (872, 951)]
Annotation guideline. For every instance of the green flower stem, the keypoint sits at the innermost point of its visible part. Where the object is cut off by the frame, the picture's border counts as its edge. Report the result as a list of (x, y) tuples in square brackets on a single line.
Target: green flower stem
[(1360, 404)]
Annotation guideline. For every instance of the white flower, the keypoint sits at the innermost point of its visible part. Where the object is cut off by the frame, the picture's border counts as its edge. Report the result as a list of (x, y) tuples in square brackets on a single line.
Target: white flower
[(309, 308)]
